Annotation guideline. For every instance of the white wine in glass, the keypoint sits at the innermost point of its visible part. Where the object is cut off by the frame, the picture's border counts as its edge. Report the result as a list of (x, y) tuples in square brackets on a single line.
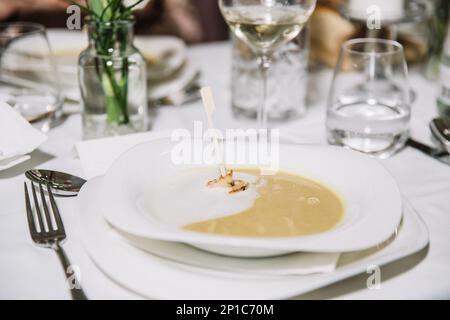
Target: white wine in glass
[(265, 25), (265, 29)]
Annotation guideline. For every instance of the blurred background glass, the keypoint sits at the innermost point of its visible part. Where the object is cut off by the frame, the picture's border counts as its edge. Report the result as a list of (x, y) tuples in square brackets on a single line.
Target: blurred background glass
[(287, 80), (265, 26), (28, 75), (369, 100)]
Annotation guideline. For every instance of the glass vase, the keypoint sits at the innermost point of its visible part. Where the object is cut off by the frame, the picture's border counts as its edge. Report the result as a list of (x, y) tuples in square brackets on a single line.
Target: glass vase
[(112, 79)]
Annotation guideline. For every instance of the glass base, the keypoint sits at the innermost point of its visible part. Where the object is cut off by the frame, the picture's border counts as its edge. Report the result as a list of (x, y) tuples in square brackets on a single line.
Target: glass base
[(378, 145), (42, 107), (96, 126)]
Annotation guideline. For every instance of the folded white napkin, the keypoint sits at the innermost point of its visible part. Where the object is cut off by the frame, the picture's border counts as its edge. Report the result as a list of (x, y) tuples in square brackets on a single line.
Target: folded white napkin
[(17, 137), (98, 155)]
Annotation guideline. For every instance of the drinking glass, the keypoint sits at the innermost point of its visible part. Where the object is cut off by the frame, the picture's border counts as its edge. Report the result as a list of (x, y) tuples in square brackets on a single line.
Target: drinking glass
[(28, 76), (369, 101), (265, 25)]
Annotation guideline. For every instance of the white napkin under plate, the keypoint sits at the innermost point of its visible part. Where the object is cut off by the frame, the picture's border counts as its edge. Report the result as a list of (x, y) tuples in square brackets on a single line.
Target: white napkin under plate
[(17, 137), (98, 155)]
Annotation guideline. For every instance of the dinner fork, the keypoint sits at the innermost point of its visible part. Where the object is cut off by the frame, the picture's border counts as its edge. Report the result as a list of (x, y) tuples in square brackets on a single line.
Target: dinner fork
[(47, 230)]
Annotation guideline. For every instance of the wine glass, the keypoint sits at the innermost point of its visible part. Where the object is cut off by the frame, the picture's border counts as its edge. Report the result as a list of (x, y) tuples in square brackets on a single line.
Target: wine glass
[(265, 25), (369, 105)]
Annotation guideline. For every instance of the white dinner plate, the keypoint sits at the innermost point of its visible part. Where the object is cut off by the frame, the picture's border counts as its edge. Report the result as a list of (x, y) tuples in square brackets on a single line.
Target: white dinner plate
[(66, 47), (135, 198), (152, 277), (170, 54), (175, 83)]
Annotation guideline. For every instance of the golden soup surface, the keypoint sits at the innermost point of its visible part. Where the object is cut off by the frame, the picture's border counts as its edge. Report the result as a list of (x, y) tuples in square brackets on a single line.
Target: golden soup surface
[(288, 206)]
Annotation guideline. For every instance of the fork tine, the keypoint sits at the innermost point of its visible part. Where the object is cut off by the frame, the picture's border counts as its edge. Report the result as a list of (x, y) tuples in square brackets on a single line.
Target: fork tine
[(38, 209), (45, 207), (59, 223), (31, 223)]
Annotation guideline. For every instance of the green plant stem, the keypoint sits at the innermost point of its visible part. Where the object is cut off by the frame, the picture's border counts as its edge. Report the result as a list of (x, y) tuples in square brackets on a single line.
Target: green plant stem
[(115, 90), (115, 94), (110, 99), (124, 86)]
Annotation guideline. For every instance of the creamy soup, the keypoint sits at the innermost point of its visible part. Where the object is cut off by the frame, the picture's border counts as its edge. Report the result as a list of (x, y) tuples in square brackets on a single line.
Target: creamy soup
[(288, 205)]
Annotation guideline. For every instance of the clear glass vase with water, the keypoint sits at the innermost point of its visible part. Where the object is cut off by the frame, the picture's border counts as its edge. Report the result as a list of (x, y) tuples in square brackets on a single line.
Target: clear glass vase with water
[(113, 83)]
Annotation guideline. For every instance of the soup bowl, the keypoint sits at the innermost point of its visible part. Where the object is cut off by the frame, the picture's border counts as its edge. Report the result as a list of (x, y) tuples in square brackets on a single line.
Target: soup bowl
[(149, 192)]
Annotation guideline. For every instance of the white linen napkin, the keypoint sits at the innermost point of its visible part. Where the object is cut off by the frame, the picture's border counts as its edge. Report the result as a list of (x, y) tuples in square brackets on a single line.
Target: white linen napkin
[(17, 137), (98, 155)]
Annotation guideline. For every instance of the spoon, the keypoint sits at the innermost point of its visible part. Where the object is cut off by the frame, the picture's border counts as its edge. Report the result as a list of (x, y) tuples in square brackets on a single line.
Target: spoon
[(64, 184), (440, 127)]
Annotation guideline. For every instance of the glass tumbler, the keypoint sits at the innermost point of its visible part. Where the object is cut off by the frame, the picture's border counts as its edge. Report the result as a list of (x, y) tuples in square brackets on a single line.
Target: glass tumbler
[(28, 73), (369, 100)]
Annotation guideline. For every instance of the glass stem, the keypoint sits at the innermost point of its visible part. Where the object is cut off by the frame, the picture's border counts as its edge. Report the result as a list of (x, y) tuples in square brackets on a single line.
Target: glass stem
[(264, 66)]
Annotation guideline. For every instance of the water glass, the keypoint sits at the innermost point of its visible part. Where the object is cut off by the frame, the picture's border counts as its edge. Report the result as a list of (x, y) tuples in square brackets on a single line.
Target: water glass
[(369, 101), (28, 75)]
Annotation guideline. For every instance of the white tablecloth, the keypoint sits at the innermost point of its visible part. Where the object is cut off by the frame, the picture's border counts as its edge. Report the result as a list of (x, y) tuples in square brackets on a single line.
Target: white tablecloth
[(30, 272)]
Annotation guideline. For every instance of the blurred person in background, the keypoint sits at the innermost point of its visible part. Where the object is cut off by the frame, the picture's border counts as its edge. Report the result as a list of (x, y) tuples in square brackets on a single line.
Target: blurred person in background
[(192, 20)]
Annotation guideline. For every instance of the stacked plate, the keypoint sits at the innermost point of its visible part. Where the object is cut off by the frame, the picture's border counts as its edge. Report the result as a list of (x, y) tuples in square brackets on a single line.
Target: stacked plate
[(146, 250), (170, 73)]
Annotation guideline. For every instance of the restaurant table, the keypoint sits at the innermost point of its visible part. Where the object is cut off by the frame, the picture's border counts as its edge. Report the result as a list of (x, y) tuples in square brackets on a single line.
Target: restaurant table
[(30, 272)]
